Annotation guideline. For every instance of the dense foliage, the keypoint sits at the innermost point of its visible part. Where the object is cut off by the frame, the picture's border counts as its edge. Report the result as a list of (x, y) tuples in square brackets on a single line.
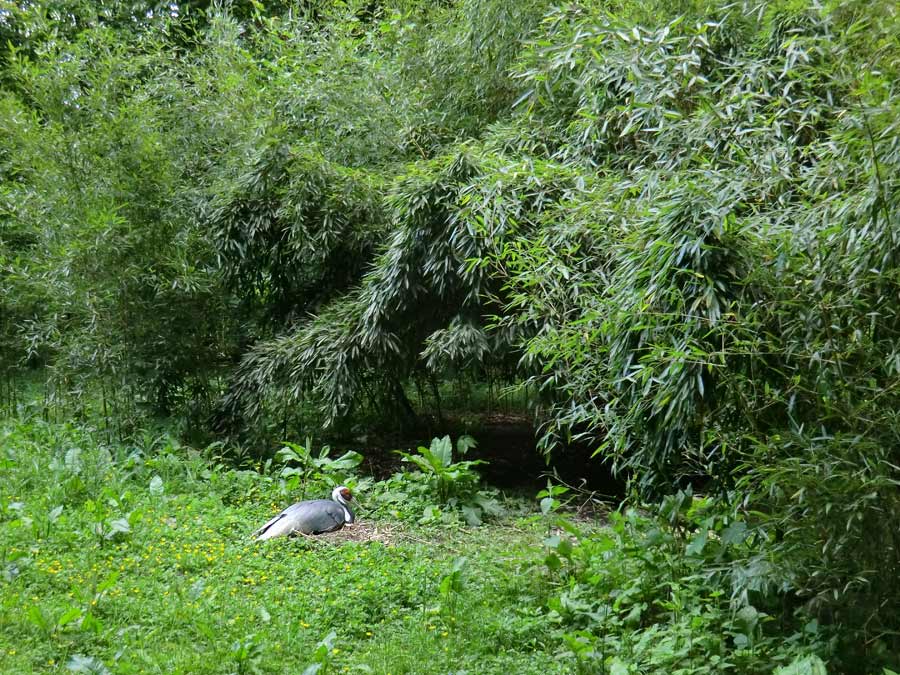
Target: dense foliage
[(675, 223)]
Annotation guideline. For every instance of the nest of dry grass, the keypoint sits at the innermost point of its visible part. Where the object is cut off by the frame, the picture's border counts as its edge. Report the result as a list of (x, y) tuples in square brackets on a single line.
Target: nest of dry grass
[(360, 531)]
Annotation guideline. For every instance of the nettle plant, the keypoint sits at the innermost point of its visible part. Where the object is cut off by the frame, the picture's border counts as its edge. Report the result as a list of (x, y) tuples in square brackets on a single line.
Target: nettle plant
[(455, 485)]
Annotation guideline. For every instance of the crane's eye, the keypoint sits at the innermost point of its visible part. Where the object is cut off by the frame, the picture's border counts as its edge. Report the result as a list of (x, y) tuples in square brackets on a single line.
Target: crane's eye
[(346, 494)]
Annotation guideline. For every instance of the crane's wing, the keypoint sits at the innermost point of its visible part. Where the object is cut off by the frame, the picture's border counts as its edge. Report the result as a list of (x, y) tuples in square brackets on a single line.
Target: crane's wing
[(320, 516), (280, 525)]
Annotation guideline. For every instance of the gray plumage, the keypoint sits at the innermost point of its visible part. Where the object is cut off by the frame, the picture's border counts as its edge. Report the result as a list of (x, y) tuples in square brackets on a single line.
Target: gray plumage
[(314, 516)]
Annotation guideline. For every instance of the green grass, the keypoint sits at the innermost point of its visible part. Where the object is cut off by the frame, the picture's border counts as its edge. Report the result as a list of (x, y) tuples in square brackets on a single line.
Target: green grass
[(158, 575), (137, 559)]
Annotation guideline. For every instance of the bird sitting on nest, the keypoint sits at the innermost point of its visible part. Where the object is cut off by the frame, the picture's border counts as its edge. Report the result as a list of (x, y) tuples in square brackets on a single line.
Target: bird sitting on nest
[(314, 516)]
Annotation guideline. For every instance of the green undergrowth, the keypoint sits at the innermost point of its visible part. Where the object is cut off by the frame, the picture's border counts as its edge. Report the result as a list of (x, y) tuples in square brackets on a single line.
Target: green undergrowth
[(148, 567), (138, 559)]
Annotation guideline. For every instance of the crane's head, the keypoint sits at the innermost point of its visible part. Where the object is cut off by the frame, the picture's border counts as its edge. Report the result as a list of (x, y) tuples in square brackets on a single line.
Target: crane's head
[(341, 494)]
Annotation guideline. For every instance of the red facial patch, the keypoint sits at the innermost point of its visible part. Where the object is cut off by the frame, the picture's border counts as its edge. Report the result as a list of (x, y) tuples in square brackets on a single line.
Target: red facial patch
[(346, 494)]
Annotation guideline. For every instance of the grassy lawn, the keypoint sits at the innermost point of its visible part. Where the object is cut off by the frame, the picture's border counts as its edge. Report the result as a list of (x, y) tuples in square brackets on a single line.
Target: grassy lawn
[(148, 568)]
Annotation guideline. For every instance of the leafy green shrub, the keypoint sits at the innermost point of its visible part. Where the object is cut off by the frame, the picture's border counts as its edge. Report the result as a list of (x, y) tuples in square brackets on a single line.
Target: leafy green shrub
[(446, 477), (302, 467), (824, 510), (654, 594), (441, 490)]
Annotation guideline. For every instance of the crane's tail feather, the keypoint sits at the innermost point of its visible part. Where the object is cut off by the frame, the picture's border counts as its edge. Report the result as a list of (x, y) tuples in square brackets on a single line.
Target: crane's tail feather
[(268, 530)]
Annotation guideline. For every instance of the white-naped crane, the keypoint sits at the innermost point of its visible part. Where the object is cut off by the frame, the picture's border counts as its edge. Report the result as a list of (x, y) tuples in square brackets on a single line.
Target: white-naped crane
[(314, 516)]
